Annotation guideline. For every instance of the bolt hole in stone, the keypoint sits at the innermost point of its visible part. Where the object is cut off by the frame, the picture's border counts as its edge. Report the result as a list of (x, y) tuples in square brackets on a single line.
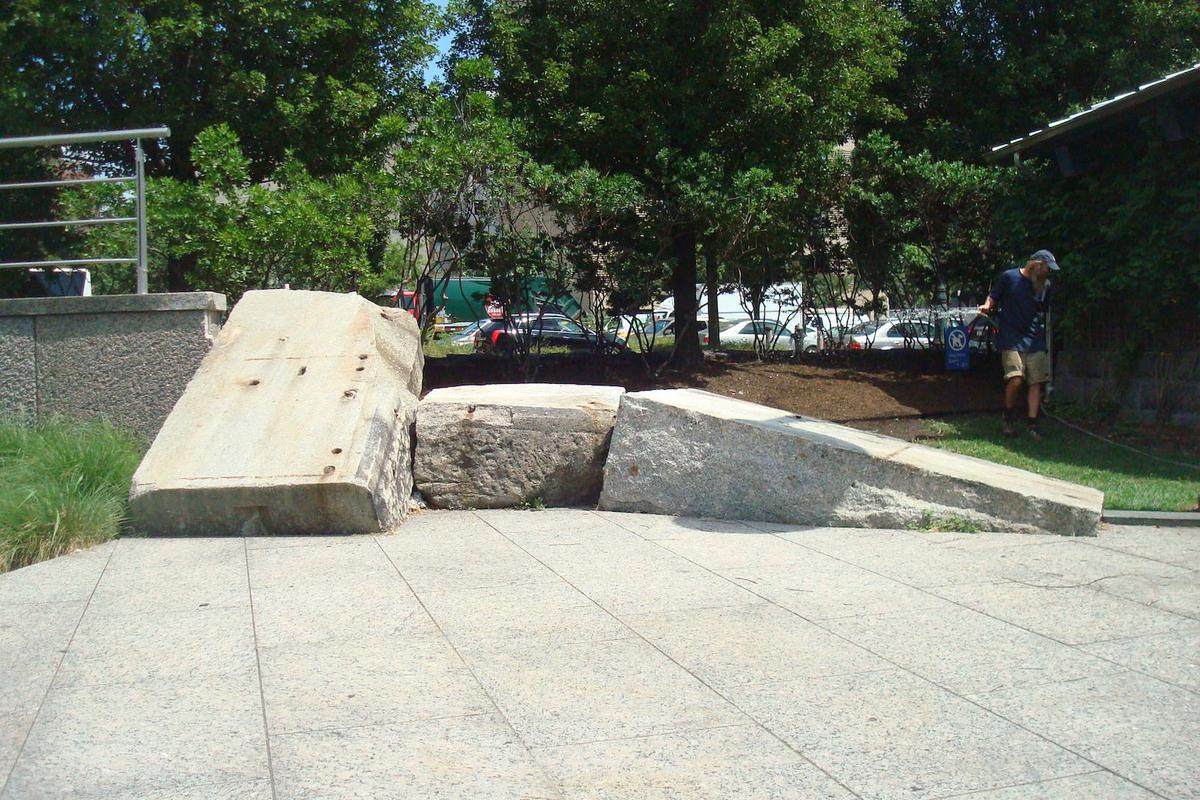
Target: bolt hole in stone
[(336, 450), (360, 369), (255, 382), (363, 357), (303, 370), (349, 393), (329, 469)]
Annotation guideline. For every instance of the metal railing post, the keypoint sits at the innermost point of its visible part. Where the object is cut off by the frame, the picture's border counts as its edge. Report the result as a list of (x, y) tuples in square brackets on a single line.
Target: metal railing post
[(143, 280)]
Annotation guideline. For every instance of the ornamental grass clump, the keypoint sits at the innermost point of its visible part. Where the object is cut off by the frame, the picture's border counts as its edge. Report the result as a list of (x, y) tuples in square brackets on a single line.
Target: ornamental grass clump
[(63, 485)]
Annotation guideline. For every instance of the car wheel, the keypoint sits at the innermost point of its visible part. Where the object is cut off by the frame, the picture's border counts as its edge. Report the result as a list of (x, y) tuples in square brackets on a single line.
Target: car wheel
[(812, 348)]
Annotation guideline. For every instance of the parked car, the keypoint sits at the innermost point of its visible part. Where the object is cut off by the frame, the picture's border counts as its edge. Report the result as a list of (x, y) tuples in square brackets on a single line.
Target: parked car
[(548, 330), (466, 336), (776, 335), (891, 334), (666, 327), (628, 326)]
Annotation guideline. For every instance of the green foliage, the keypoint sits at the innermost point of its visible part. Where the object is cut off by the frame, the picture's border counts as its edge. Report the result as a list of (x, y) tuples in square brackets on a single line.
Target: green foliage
[(684, 98), (65, 486), (918, 225), (1127, 231), (978, 74), (951, 523), (468, 198), (308, 232), (302, 81), (533, 504)]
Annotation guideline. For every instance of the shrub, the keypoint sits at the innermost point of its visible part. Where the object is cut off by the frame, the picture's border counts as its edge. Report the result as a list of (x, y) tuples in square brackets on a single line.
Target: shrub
[(64, 485)]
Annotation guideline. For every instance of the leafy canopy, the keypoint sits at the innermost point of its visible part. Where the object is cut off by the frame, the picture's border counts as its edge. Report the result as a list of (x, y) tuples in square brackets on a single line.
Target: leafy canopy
[(309, 78)]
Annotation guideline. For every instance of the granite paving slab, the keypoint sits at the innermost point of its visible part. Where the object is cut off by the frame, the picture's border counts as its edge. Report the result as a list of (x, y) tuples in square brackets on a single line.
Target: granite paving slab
[(738, 761), (891, 735), (1171, 657), (1074, 615), (1139, 727), (580, 654)]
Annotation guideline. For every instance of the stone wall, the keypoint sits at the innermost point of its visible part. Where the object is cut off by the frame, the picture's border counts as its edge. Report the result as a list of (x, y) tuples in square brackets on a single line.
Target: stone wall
[(123, 357), (1163, 387)]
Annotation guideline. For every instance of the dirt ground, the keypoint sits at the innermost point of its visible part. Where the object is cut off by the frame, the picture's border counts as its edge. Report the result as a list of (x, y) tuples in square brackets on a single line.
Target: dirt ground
[(893, 393), (888, 392)]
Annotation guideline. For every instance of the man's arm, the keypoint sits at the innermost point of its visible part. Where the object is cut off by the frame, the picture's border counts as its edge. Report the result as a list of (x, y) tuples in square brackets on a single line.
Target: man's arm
[(994, 297)]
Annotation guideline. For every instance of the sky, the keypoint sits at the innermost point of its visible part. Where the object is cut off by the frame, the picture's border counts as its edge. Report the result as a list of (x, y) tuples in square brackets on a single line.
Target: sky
[(433, 70)]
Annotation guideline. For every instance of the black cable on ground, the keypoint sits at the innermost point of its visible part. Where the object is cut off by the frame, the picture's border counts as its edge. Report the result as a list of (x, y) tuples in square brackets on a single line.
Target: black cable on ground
[(1085, 431)]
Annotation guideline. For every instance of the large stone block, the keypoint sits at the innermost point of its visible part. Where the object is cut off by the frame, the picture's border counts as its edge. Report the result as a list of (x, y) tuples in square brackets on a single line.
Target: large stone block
[(297, 421), (692, 453), (498, 446)]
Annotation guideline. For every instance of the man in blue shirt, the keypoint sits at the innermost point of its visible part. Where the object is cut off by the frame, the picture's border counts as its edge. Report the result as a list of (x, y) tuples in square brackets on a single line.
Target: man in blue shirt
[(1018, 305)]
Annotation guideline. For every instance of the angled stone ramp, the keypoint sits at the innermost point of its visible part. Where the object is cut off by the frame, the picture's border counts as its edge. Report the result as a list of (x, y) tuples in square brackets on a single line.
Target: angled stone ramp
[(298, 421), (501, 445), (692, 453)]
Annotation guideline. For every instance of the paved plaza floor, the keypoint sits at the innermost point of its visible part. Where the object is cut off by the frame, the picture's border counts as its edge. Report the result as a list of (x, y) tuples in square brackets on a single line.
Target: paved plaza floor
[(581, 654)]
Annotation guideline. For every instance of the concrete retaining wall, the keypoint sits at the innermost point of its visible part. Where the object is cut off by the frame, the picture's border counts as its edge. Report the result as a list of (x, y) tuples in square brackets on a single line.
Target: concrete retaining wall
[(123, 357), (1163, 387)]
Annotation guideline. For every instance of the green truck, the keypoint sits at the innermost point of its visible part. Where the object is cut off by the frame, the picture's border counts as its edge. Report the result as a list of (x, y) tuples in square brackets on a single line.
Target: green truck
[(461, 299)]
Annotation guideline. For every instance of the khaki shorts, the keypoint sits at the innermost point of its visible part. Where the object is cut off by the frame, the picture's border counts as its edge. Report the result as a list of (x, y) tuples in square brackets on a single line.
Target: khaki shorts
[(1033, 367)]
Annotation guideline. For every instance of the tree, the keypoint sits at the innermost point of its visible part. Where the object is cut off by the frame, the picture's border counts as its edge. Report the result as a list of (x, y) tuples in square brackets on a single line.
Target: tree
[(683, 97), (919, 227), (459, 176), (311, 82)]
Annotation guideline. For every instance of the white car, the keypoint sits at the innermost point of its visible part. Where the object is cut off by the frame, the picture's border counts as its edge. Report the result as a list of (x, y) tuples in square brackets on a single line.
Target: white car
[(891, 334), (466, 336), (776, 335)]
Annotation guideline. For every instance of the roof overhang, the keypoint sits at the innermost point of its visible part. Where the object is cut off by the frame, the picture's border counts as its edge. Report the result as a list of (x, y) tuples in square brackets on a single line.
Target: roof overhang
[(1097, 113)]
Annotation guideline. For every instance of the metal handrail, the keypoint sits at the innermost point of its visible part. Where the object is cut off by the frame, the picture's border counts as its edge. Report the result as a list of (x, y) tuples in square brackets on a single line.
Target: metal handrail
[(139, 178), (85, 138), (70, 262), (68, 182), (60, 223)]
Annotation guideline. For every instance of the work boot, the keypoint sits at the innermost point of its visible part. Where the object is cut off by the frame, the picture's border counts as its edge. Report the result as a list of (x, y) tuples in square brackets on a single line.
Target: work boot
[(1032, 429), (1008, 428)]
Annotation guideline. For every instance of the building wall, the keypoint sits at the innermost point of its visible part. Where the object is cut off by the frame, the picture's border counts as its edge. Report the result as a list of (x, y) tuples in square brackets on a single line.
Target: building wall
[(1163, 387), (126, 358)]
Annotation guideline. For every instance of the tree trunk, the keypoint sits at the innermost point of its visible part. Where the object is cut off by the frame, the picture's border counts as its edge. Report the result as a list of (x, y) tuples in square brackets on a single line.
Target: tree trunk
[(687, 351), (714, 316)]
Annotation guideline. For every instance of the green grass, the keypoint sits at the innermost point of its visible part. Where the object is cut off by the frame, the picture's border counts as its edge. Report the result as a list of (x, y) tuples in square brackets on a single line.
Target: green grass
[(63, 485), (1130, 481), (953, 523)]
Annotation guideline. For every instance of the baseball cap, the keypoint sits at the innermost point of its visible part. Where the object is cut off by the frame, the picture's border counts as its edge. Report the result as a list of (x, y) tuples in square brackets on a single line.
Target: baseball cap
[(1046, 256)]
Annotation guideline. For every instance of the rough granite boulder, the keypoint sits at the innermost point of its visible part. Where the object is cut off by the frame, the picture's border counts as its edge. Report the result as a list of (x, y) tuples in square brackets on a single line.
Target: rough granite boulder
[(502, 445), (297, 421), (688, 452)]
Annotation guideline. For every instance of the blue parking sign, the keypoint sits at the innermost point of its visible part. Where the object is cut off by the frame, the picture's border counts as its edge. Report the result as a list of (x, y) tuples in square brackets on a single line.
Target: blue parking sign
[(958, 347)]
